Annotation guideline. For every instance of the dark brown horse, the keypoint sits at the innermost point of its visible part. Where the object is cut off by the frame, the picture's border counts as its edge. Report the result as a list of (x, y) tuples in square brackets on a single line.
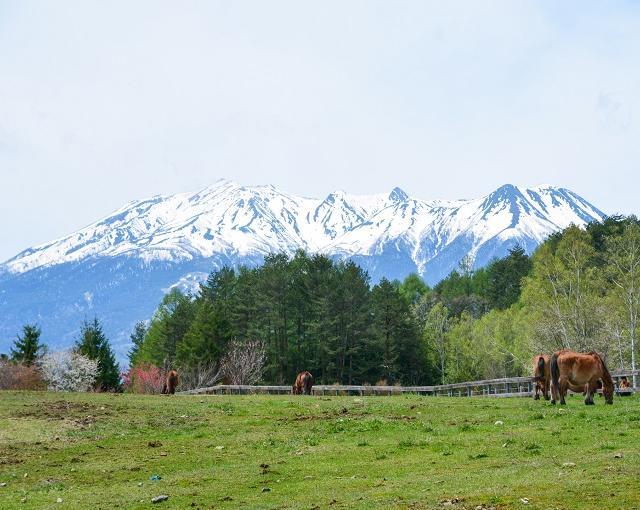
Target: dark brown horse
[(542, 376), (580, 370), (303, 384), (170, 383)]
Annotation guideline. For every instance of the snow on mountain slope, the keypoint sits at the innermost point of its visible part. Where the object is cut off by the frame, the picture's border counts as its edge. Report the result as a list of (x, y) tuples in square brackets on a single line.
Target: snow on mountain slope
[(119, 268), (240, 221)]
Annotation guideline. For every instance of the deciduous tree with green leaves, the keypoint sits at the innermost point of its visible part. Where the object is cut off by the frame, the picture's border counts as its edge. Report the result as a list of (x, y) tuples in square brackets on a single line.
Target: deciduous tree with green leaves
[(623, 269)]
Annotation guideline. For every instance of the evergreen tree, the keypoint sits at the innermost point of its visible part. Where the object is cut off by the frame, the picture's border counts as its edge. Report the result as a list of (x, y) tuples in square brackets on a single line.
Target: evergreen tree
[(505, 278), (27, 348), (169, 325), (94, 345), (137, 339), (321, 322), (402, 357), (299, 302), (358, 346), (245, 312), (274, 286), (208, 335)]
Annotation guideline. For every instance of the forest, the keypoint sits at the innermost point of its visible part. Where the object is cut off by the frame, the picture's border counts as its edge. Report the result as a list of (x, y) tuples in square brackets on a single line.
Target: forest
[(580, 289)]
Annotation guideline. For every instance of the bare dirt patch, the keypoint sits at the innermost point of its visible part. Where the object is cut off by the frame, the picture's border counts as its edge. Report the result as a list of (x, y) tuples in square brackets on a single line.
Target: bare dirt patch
[(82, 412)]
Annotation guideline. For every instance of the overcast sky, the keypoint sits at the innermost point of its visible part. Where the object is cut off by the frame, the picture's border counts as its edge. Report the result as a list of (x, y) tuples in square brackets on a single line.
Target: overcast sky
[(105, 102)]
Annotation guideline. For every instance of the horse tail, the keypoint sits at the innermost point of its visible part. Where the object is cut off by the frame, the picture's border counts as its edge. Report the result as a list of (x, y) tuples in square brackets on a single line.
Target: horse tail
[(555, 370)]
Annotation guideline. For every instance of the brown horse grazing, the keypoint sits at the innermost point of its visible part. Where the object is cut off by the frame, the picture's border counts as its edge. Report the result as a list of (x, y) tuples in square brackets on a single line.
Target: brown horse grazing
[(303, 384), (542, 376), (170, 383), (580, 370)]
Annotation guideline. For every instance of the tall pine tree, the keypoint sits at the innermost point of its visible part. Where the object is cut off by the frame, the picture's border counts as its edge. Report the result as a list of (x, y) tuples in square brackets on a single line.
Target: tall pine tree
[(137, 339), (27, 348), (94, 344)]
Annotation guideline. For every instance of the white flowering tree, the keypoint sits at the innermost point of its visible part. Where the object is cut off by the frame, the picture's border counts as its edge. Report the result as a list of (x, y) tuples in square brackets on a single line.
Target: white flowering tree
[(68, 371)]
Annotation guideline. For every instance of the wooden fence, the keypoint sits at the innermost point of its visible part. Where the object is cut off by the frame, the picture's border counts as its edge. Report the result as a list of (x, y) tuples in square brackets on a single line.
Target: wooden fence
[(505, 387)]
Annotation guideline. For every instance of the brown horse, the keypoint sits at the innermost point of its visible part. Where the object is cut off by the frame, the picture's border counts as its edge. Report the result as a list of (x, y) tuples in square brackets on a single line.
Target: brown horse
[(542, 378), (541, 375), (303, 384), (170, 383), (580, 370)]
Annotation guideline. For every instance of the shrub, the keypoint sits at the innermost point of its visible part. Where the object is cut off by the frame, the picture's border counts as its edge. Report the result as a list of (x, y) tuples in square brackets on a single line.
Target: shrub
[(68, 371), (144, 378), (19, 376)]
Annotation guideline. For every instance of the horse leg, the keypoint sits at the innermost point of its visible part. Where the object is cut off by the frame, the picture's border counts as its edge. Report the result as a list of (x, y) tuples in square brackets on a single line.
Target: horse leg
[(536, 395), (592, 387), (563, 390), (588, 399), (545, 388)]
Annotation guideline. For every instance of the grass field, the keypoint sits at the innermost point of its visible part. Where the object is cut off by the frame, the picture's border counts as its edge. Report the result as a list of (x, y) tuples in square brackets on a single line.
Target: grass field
[(100, 451)]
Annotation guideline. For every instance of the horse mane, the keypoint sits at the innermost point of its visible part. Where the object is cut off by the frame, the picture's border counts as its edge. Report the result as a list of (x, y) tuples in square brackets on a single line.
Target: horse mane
[(606, 376)]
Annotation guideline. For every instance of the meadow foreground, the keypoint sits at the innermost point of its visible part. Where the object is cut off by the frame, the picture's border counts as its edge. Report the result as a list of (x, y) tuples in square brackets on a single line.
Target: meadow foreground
[(60, 450)]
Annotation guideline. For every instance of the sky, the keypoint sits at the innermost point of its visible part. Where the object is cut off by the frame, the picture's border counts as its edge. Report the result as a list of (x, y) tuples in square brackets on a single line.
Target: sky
[(105, 102)]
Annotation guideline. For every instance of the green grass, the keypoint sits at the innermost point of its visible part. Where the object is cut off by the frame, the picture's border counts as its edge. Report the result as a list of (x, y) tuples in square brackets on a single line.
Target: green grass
[(93, 451)]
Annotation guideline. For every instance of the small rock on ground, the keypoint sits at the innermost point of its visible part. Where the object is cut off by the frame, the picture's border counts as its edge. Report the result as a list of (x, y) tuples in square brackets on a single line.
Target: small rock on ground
[(160, 499)]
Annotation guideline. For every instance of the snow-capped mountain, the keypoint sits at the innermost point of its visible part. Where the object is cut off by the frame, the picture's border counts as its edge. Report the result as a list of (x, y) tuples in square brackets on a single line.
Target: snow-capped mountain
[(119, 267)]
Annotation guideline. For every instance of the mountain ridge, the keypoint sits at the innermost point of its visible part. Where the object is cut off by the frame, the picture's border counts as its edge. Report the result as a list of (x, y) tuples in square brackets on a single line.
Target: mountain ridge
[(119, 266), (154, 228)]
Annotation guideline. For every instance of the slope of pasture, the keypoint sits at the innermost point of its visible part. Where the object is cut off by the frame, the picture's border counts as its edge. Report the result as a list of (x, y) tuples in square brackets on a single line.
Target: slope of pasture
[(100, 450)]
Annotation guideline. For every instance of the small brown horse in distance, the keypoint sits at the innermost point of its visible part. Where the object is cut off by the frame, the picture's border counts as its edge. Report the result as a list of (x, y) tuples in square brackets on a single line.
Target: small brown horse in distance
[(170, 383), (582, 370), (303, 384)]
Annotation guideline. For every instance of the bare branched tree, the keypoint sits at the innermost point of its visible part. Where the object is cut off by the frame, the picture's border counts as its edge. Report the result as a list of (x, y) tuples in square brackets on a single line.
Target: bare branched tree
[(244, 362), (200, 375)]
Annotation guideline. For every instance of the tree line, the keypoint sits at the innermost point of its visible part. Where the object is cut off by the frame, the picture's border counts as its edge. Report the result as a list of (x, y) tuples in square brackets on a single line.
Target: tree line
[(580, 289), (310, 312), (92, 344)]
